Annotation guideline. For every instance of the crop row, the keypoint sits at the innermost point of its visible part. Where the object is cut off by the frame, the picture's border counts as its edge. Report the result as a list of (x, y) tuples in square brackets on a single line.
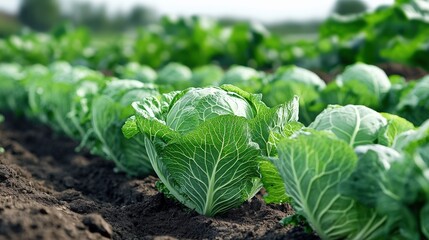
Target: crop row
[(358, 84), (395, 33), (353, 173)]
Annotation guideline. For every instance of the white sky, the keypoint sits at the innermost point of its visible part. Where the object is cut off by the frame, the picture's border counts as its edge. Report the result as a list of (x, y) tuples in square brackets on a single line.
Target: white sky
[(266, 11)]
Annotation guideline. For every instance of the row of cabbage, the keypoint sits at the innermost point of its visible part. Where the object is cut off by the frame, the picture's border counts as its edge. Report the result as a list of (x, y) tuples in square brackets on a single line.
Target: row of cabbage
[(359, 84), (395, 33), (192, 41), (353, 173)]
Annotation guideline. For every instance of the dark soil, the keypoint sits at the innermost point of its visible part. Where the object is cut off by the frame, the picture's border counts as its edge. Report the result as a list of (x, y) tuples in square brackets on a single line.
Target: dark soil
[(408, 72), (48, 191)]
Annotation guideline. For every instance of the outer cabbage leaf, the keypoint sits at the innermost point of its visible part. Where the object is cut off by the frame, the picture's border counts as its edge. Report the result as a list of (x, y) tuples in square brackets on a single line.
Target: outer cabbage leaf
[(396, 183), (395, 126), (357, 125), (62, 96), (352, 93), (367, 180), (415, 104), (312, 166), (214, 165), (273, 183), (404, 196), (298, 75), (411, 140), (35, 79)]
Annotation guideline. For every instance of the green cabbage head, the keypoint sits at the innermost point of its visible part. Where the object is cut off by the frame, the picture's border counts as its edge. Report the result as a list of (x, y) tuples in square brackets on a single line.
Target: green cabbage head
[(205, 144)]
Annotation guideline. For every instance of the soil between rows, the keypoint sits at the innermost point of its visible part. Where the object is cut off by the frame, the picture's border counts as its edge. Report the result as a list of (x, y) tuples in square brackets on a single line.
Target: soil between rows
[(48, 191)]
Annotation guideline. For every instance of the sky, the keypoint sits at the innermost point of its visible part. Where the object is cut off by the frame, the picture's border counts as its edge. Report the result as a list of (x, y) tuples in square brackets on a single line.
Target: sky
[(266, 11)]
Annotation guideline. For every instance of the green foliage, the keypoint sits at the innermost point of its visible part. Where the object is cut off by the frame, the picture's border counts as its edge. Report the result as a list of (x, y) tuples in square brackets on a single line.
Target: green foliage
[(174, 76), (271, 179), (348, 7), (246, 78), (296, 220), (110, 110), (60, 97), (136, 71), (395, 126), (205, 144), (415, 104), (394, 33), (40, 15), (394, 181), (313, 166), (289, 81), (359, 84), (205, 76), (356, 125), (374, 160), (10, 78)]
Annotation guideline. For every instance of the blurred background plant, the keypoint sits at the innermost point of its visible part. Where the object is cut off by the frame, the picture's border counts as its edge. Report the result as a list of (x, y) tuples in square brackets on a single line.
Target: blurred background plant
[(43, 15)]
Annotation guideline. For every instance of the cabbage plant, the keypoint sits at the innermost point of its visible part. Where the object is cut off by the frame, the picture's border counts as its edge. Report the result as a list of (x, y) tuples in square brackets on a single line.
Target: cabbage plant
[(288, 81), (245, 78), (206, 76), (61, 96), (11, 76), (205, 144), (313, 165), (174, 76), (414, 105), (355, 124), (133, 70), (110, 109), (395, 182), (359, 84), (347, 185)]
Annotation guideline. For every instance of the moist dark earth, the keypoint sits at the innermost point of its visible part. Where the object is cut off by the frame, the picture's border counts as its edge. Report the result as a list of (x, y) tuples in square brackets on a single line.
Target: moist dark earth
[(49, 191)]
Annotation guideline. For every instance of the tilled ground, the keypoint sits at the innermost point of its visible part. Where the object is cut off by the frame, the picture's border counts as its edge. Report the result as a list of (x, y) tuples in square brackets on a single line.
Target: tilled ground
[(48, 191)]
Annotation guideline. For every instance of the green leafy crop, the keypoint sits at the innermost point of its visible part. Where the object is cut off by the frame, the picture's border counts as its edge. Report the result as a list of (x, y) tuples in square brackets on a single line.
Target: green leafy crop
[(313, 165), (245, 78), (138, 72), (415, 104), (174, 76), (357, 125), (359, 84), (205, 144), (109, 112), (289, 81)]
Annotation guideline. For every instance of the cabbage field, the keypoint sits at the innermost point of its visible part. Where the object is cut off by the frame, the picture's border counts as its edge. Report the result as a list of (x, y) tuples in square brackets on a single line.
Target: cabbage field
[(194, 130)]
